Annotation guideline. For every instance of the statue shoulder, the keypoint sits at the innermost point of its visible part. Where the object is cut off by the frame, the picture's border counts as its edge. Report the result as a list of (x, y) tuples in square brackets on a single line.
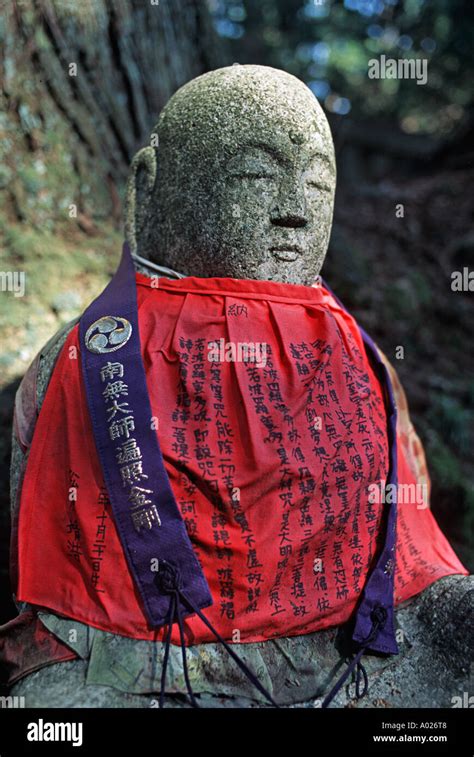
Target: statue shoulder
[(28, 400), (47, 359)]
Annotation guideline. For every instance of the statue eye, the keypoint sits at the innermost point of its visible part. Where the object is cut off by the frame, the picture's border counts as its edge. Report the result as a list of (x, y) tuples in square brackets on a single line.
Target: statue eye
[(317, 183), (251, 168), (263, 174), (253, 171)]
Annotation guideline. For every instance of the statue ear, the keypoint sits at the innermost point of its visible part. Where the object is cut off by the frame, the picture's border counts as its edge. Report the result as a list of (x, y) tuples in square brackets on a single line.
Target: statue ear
[(140, 185)]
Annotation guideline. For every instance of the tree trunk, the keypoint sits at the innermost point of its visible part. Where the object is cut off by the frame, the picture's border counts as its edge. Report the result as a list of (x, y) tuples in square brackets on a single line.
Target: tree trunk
[(83, 84)]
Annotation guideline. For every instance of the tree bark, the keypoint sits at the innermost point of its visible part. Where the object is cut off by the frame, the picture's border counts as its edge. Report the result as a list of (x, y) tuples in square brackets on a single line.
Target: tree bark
[(94, 76)]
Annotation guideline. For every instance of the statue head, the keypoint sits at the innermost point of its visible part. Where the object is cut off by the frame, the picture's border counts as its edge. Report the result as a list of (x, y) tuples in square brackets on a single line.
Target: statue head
[(240, 182)]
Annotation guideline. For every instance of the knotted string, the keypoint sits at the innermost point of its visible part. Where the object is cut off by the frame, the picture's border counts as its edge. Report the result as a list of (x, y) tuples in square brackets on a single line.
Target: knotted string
[(167, 650), (169, 581), (379, 617)]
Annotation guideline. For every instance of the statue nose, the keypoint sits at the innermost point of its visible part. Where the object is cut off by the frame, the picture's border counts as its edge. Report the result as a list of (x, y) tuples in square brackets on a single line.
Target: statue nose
[(290, 209), (290, 219)]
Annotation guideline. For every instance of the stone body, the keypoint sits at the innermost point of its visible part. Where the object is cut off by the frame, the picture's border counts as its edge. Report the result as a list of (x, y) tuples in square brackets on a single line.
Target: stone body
[(239, 181)]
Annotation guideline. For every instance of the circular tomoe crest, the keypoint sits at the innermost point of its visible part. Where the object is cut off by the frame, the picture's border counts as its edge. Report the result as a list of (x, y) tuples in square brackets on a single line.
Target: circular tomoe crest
[(108, 334)]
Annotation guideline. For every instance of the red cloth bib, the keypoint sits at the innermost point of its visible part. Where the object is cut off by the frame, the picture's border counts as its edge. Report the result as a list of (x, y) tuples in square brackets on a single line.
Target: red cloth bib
[(273, 431)]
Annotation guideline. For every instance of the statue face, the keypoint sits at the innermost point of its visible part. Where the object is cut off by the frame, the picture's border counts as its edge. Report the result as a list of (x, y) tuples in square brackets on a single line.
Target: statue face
[(273, 211), (245, 179)]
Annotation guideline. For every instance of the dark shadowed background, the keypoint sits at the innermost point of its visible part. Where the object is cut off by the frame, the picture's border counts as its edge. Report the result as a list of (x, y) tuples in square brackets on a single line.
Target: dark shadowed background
[(81, 87)]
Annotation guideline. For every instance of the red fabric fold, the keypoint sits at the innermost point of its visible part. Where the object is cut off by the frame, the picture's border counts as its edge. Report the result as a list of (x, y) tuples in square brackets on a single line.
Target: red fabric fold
[(26, 645)]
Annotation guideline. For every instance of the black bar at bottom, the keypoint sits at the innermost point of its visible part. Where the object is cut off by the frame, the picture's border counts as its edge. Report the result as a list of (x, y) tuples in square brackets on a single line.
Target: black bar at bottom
[(350, 731)]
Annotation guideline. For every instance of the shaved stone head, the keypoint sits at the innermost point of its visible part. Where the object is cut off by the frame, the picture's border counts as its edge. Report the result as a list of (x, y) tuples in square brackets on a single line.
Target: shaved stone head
[(242, 181)]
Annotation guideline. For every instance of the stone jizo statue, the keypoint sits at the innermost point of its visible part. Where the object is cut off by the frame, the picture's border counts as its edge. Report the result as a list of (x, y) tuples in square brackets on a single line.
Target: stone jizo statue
[(239, 183)]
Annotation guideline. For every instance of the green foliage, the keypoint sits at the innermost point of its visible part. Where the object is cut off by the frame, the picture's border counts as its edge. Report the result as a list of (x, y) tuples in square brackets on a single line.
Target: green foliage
[(329, 43), (443, 463), (63, 270), (453, 422)]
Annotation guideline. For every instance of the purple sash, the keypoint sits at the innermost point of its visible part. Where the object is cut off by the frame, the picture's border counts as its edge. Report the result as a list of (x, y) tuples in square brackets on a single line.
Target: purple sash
[(379, 587), (148, 521)]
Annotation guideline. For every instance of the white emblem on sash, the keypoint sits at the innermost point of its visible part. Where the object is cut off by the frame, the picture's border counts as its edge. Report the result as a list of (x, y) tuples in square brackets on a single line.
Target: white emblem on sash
[(108, 334)]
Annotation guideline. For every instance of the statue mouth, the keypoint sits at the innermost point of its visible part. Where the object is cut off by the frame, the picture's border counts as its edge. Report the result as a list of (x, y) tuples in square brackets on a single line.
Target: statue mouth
[(287, 253)]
